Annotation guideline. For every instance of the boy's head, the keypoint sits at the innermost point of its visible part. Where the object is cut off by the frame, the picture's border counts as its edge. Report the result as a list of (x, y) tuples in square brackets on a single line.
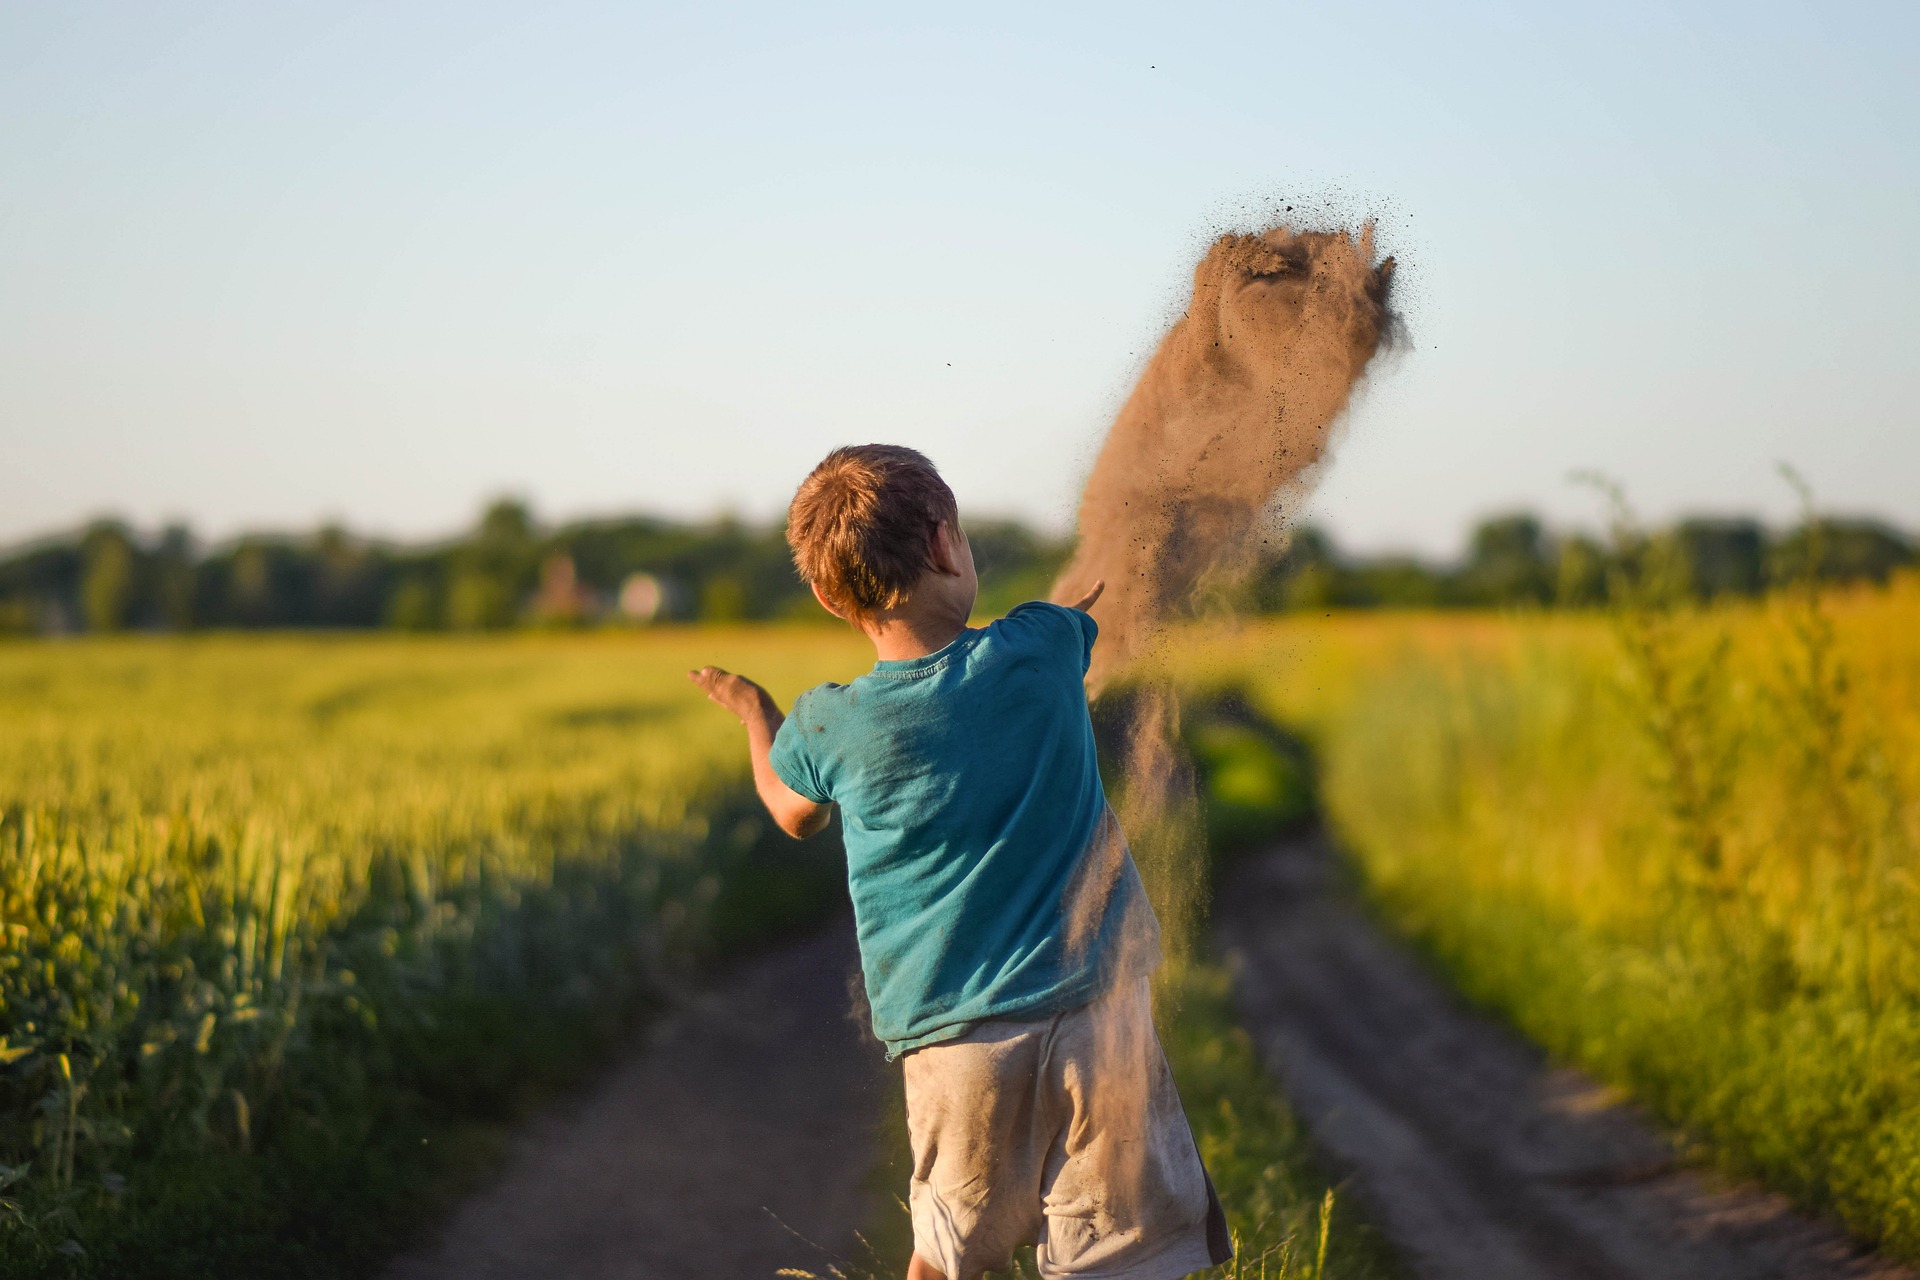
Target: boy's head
[(869, 523)]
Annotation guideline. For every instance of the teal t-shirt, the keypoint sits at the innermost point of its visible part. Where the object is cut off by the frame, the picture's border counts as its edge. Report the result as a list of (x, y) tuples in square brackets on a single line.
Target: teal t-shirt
[(988, 876)]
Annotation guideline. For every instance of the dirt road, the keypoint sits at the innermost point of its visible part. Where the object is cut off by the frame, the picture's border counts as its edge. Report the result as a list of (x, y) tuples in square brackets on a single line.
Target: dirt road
[(1474, 1155), (746, 1121)]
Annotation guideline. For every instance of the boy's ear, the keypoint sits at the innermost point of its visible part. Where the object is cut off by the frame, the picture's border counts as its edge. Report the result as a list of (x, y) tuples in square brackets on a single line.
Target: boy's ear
[(827, 604), (941, 549)]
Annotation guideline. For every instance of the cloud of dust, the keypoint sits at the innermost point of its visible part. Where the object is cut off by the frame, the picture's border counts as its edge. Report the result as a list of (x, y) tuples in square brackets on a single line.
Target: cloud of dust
[(1225, 423)]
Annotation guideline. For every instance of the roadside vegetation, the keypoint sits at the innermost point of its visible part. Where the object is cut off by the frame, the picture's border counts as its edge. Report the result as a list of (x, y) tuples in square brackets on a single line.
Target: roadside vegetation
[(1676, 842)]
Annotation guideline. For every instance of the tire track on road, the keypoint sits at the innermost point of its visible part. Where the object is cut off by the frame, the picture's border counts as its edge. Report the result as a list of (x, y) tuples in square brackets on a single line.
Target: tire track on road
[(743, 1123), (1479, 1159)]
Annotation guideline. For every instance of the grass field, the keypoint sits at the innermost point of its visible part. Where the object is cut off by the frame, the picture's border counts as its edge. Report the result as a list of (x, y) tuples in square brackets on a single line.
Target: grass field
[(1678, 848), (293, 924), (284, 917)]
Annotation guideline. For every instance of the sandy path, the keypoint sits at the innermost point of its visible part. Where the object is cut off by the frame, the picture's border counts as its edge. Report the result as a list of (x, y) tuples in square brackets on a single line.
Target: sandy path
[(755, 1106), (1469, 1151)]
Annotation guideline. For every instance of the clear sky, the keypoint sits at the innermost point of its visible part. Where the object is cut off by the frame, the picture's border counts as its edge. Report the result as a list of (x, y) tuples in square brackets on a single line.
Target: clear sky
[(267, 264)]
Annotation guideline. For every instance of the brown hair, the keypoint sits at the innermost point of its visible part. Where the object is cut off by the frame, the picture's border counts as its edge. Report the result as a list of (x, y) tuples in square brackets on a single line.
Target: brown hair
[(862, 523)]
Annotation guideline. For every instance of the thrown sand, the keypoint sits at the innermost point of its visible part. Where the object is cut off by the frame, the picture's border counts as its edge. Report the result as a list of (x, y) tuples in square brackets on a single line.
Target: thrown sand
[(1234, 408)]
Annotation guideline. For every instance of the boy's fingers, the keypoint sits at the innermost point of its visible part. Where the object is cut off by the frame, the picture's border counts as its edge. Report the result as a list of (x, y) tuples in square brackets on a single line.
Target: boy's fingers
[(1086, 602)]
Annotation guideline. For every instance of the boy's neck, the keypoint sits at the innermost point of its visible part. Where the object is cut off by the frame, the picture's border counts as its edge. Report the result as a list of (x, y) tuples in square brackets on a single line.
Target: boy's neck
[(909, 632), (935, 613)]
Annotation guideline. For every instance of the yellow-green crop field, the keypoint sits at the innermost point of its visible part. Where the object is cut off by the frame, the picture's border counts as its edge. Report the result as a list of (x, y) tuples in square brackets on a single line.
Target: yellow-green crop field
[(289, 924), (325, 897), (1679, 848), (293, 923)]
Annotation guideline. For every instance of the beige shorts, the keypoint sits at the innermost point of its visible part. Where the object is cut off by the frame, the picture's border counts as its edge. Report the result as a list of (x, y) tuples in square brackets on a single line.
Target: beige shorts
[(1065, 1133)]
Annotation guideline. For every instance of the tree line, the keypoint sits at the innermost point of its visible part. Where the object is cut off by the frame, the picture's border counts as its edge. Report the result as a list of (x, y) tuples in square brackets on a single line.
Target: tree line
[(1516, 560), (508, 570)]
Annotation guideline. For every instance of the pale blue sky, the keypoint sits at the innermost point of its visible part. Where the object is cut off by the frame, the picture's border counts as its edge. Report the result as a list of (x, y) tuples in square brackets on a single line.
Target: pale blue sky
[(266, 264)]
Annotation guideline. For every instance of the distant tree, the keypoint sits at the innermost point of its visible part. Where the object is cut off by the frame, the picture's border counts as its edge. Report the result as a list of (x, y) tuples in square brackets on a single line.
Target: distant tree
[(106, 590), (1849, 551), (1299, 569), (1316, 584), (1721, 557), (478, 601), (175, 584), (250, 585), (1507, 562), (105, 578), (351, 579), (494, 570), (506, 526), (41, 585), (412, 606), (1397, 582)]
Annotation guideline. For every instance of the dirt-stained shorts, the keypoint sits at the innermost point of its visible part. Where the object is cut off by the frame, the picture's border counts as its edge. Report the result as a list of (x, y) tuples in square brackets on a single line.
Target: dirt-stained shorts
[(1065, 1133)]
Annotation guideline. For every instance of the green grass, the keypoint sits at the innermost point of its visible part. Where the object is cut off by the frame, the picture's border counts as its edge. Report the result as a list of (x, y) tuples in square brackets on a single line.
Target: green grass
[(1676, 847), (1288, 1218)]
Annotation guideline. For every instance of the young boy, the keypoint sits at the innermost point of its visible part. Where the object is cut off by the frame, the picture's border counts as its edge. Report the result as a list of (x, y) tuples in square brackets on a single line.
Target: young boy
[(1005, 939)]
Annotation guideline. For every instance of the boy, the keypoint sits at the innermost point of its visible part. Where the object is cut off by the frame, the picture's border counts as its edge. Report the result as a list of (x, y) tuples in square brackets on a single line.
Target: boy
[(1005, 939)]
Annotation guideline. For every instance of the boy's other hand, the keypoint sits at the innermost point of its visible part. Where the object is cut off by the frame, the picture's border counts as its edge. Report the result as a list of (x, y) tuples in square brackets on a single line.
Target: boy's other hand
[(736, 693), (792, 812), (1085, 602)]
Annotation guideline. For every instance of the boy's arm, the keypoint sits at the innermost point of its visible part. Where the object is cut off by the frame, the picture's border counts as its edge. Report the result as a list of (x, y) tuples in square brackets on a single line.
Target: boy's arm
[(792, 812)]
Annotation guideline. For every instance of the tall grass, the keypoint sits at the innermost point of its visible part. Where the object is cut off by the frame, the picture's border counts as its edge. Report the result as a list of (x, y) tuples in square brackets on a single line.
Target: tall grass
[(1675, 844), (280, 919)]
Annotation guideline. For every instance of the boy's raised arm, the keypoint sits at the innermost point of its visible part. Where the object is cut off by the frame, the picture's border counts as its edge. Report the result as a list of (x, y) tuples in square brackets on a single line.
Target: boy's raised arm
[(792, 812)]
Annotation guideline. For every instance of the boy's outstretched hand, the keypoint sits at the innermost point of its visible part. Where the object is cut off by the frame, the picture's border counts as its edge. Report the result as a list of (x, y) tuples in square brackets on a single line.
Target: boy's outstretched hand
[(1085, 602), (736, 693), (792, 812)]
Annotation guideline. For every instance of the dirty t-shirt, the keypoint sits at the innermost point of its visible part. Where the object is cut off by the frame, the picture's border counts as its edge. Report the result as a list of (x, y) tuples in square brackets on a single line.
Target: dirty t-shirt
[(987, 874)]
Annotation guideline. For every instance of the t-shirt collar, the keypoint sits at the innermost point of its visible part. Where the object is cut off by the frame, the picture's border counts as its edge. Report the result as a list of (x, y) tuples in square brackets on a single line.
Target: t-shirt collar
[(926, 664)]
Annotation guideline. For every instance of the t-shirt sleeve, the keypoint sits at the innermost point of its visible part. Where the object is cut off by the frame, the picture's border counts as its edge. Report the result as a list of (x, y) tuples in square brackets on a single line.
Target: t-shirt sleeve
[(1073, 626), (792, 762), (1089, 632)]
